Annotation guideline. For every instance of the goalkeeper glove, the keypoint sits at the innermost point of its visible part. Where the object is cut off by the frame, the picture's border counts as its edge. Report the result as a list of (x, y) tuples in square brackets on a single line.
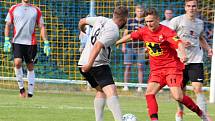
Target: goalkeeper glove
[(47, 49), (7, 44)]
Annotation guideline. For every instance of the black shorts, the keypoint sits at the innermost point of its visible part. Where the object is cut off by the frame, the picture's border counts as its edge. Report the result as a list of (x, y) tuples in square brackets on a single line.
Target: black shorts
[(193, 72), (99, 76), (26, 52)]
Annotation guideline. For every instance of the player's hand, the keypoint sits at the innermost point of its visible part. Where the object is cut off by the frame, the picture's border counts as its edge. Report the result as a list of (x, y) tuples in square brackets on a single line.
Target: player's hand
[(86, 68), (7, 44), (47, 49)]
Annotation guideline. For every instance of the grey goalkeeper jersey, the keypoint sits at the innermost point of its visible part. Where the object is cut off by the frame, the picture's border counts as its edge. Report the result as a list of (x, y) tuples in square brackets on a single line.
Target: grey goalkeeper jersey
[(190, 31), (105, 31), (24, 18)]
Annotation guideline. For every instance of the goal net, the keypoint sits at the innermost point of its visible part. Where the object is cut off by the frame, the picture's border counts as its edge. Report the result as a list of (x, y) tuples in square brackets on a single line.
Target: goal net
[(61, 21)]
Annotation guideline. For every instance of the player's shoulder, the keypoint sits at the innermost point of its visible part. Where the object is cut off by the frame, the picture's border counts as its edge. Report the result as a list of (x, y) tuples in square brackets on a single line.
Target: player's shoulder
[(100, 19), (200, 21), (166, 30), (14, 6), (178, 18), (35, 7)]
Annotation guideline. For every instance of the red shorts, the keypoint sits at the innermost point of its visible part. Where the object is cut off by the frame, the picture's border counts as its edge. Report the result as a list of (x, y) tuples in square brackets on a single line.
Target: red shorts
[(168, 76)]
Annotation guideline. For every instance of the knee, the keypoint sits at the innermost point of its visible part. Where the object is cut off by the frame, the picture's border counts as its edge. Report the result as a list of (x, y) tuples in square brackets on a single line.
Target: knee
[(149, 92), (178, 98)]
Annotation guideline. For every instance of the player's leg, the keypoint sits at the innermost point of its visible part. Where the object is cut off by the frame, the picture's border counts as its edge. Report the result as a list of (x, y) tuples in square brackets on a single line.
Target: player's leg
[(113, 101), (127, 62), (180, 108), (31, 79), (99, 104), (174, 81), (196, 74), (29, 56), (152, 106), (154, 85), (99, 101), (103, 77), (17, 50), (177, 94)]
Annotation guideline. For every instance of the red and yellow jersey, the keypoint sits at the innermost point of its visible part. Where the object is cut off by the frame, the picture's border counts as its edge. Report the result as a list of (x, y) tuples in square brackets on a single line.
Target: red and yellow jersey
[(161, 45)]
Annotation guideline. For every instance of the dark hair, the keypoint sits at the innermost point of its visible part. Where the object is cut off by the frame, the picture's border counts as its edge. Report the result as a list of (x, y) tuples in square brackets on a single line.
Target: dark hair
[(120, 12), (151, 11)]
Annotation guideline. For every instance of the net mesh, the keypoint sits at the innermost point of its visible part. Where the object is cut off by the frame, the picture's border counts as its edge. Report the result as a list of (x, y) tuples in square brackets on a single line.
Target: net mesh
[(61, 21)]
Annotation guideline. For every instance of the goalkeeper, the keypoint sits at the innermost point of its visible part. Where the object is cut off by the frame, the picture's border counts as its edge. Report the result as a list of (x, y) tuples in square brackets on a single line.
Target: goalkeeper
[(24, 17)]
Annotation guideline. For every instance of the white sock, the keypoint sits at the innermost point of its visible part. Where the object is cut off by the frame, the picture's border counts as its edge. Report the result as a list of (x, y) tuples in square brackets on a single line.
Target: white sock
[(201, 102), (31, 81), (113, 105), (19, 77), (99, 104)]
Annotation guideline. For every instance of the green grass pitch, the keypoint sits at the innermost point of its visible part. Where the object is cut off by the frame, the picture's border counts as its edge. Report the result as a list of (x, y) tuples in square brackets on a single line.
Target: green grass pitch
[(78, 106)]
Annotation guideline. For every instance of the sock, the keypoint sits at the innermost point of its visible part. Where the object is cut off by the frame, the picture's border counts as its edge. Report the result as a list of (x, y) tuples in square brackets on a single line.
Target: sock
[(99, 104), (19, 77), (188, 102), (201, 102), (152, 107), (113, 105), (31, 81), (180, 107)]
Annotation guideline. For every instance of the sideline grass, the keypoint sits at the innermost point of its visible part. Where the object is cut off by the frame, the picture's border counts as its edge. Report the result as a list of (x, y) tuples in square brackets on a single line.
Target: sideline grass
[(78, 106)]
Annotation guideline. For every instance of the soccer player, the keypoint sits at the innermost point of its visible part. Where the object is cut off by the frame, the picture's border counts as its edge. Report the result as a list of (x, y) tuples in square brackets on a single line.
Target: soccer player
[(165, 66), (24, 17), (134, 52), (168, 13), (190, 29), (95, 60)]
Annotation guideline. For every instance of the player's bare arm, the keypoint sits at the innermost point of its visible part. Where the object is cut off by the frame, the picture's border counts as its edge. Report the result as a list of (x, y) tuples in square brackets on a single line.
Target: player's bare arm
[(205, 45), (124, 39), (96, 49), (7, 29), (182, 52), (81, 25), (43, 32)]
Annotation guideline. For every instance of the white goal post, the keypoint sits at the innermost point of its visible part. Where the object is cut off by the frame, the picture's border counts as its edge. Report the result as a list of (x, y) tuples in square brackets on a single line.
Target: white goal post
[(212, 82)]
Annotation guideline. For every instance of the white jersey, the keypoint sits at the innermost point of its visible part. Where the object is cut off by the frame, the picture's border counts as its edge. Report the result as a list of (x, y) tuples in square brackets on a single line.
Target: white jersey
[(24, 18), (165, 23), (190, 31), (105, 31)]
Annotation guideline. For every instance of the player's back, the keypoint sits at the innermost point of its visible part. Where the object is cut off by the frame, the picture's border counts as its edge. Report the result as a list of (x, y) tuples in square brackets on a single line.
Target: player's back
[(106, 32)]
